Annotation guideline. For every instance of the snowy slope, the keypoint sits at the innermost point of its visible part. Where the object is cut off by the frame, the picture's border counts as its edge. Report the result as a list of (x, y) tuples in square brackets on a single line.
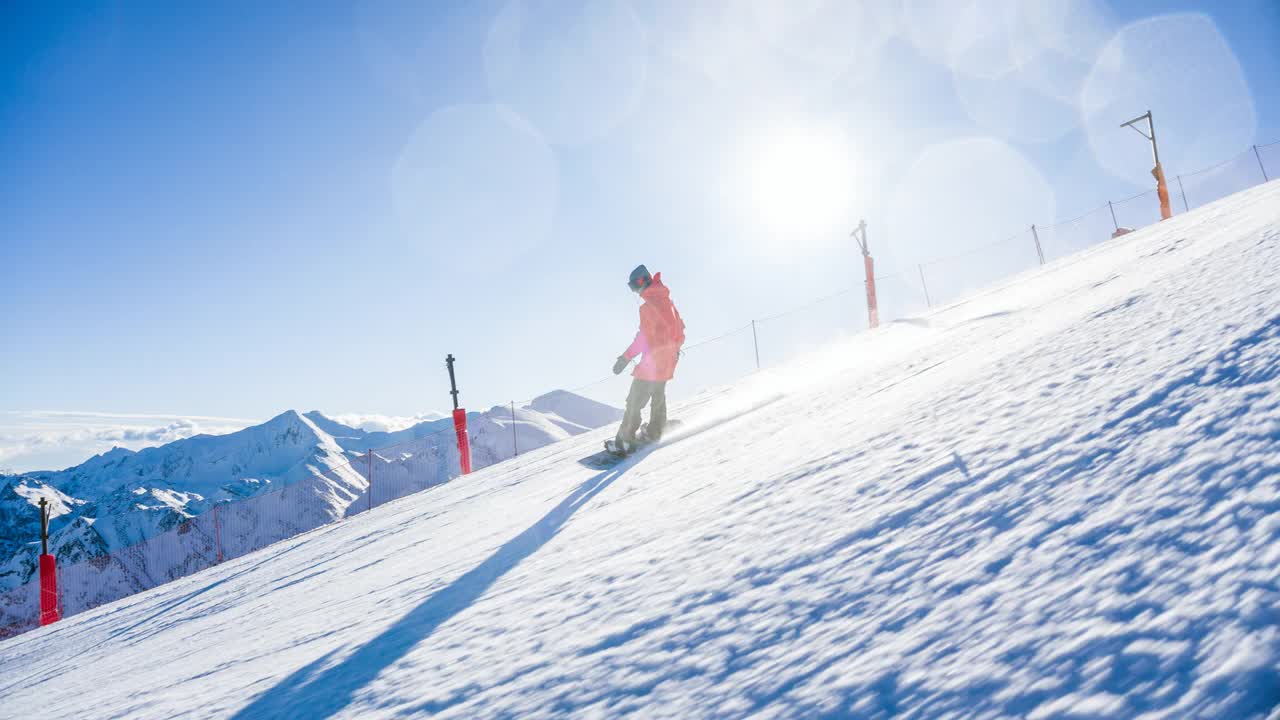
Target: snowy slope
[(1060, 498)]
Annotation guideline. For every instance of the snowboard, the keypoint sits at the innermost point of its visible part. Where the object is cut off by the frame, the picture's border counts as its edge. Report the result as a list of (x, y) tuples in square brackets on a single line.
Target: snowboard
[(604, 459)]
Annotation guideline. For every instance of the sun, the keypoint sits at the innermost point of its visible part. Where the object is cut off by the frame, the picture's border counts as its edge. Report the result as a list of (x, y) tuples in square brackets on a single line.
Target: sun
[(802, 181)]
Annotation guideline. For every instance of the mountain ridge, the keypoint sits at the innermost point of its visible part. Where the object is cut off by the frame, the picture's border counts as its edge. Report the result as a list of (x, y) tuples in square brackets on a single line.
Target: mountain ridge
[(122, 497)]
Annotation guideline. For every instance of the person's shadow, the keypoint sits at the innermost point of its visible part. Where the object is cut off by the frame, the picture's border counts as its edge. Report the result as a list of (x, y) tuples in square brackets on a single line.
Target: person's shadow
[(316, 691)]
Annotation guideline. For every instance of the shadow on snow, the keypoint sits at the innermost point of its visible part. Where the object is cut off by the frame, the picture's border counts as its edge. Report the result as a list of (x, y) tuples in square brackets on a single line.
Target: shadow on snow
[(316, 691)]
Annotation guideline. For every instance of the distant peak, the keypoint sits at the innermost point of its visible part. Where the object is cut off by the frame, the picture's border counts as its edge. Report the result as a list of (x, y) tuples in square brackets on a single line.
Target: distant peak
[(290, 423), (291, 414), (116, 452), (331, 426), (558, 398), (284, 418)]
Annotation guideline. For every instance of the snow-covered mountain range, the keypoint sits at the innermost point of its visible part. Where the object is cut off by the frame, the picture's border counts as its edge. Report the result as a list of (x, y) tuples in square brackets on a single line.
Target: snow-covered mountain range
[(270, 481)]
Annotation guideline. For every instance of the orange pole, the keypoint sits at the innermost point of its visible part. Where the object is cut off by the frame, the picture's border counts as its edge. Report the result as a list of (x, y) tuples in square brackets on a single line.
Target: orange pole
[(873, 311), (1162, 190)]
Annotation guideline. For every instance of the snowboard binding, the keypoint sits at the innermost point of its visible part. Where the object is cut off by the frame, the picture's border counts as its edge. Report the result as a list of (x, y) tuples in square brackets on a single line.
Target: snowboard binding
[(624, 448), (618, 448)]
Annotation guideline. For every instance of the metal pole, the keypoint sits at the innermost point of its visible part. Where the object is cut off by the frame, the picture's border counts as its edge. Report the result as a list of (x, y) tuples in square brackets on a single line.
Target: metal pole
[(860, 236), (1157, 172), (44, 526), (755, 339), (453, 383), (1155, 149), (1185, 207), (515, 445), (1036, 236), (1260, 165), (924, 285), (1155, 154), (369, 456), (1113, 216)]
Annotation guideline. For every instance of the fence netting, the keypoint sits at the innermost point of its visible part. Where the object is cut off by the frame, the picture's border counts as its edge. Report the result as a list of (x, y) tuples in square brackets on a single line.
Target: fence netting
[(1268, 160), (1205, 186), (342, 484), (796, 330), (20, 609), (1138, 211), (899, 295), (948, 278), (1071, 236)]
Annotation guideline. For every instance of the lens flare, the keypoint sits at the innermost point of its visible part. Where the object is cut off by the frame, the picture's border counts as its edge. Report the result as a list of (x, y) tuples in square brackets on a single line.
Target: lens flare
[(478, 180), (829, 37), (575, 70), (1181, 68), (1017, 67), (961, 195)]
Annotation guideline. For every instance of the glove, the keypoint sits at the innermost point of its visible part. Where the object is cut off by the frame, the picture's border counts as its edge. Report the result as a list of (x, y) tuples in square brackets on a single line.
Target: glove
[(620, 364)]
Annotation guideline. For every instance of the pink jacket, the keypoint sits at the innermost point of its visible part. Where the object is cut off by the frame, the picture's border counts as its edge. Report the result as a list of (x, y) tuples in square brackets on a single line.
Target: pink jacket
[(660, 337)]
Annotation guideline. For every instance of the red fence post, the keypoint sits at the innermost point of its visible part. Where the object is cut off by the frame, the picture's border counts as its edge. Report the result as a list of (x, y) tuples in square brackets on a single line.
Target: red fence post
[(459, 421), (464, 444), (873, 311), (48, 590), (48, 572)]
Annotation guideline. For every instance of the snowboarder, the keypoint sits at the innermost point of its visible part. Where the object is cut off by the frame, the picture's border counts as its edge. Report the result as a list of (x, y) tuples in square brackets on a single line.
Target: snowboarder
[(658, 342)]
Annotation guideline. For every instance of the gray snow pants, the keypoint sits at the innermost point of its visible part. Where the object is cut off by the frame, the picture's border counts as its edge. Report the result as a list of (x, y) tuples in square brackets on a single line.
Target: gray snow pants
[(642, 391)]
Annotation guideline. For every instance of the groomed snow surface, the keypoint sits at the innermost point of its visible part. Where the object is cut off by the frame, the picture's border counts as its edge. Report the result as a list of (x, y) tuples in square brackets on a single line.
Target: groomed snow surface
[(1060, 498)]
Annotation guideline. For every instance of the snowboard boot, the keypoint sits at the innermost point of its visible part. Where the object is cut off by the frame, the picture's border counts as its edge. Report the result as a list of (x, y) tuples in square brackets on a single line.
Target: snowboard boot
[(645, 437), (619, 448)]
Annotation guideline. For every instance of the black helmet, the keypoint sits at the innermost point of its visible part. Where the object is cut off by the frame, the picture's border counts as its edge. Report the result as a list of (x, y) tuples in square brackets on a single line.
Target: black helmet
[(640, 279)]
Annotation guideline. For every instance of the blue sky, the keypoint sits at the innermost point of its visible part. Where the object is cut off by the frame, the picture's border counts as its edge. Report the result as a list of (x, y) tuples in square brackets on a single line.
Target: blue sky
[(210, 214)]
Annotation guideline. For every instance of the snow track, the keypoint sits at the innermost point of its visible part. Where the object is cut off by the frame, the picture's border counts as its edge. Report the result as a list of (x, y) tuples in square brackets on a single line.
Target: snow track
[(1058, 498)]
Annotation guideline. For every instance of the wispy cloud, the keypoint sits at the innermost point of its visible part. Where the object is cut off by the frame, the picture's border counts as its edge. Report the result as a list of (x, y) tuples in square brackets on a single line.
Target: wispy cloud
[(49, 439), (373, 422), (93, 414)]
